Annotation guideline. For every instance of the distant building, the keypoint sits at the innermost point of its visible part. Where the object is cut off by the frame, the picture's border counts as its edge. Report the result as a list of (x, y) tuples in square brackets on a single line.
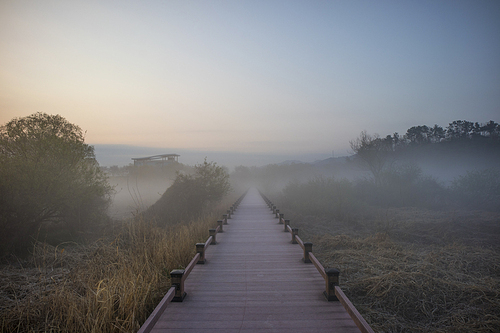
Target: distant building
[(156, 160)]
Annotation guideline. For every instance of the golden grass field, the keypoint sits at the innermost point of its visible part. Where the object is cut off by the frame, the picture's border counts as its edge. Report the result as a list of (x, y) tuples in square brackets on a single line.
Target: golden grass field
[(111, 285)]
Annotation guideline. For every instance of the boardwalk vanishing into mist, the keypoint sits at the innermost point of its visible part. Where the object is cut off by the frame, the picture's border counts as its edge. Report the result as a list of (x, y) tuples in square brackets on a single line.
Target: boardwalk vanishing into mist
[(254, 280)]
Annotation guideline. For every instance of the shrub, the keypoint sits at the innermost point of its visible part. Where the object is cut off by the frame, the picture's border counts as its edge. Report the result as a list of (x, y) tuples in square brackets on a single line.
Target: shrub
[(191, 194)]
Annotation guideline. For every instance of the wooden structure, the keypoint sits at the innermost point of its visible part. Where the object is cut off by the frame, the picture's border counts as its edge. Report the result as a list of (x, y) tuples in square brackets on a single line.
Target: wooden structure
[(256, 276), (156, 160)]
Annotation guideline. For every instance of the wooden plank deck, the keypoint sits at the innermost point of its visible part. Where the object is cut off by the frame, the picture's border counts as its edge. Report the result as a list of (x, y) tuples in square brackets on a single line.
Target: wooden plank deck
[(254, 281)]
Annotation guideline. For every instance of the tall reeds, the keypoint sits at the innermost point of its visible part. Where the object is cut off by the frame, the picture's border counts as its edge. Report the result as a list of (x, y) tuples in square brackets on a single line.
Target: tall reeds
[(109, 286)]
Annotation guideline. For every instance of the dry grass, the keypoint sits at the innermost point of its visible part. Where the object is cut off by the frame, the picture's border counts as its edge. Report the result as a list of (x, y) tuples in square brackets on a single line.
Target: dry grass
[(109, 286), (416, 271)]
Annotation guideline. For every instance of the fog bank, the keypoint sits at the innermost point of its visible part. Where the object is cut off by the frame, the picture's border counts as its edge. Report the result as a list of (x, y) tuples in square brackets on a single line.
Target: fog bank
[(121, 155)]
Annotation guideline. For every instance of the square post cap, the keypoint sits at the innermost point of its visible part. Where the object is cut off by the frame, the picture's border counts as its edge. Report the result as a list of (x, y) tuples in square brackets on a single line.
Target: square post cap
[(332, 272), (177, 273)]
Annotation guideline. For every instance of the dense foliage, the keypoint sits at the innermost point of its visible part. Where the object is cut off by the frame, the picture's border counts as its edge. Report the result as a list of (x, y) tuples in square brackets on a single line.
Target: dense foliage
[(48, 177), (191, 194)]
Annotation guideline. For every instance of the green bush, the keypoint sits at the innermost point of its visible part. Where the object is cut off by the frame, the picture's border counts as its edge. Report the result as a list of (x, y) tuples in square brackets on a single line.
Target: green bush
[(48, 178)]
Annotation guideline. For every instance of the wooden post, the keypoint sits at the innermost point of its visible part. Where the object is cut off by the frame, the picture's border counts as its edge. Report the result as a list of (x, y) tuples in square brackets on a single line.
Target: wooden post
[(229, 213), (295, 232), (281, 218), (274, 209), (308, 247), (200, 248), (287, 223), (176, 281), (332, 280), (224, 217), (220, 223), (232, 209), (277, 213), (213, 233)]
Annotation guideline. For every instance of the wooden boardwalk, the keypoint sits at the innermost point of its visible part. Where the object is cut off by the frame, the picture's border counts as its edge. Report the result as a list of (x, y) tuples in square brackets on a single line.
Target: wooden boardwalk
[(254, 280)]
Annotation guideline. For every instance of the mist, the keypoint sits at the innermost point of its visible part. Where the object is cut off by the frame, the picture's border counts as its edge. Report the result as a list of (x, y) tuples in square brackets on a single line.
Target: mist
[(373, 126), (413, 172), (121, 155)]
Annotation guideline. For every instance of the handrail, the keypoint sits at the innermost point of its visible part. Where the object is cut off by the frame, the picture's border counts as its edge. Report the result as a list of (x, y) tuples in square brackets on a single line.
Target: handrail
[(207, 243), (318, 265), (331, 275), (155, 315), (300, 242), (355, 315), (190, 266), (176, 292)]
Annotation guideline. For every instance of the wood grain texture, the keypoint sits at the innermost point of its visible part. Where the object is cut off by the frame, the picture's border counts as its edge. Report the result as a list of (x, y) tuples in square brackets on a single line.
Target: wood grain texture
[(254, 280)]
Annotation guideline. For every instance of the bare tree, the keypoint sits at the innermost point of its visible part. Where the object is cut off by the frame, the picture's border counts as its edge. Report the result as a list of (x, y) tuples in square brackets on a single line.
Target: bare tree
[(376, 152)]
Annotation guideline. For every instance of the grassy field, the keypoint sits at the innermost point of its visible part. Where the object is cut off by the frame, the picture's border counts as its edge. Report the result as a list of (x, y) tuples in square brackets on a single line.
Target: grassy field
[(414, 270), (108, 286)]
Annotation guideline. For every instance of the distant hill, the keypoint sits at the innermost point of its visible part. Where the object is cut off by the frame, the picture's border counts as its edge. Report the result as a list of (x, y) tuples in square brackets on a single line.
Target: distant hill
[(331, 161), (290, 162)]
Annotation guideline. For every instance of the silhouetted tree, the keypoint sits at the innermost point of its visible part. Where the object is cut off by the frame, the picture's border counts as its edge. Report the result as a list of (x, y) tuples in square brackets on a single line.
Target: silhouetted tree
[(418, 134), (490, 130), (374, 151), (459, 129), (437, 133)]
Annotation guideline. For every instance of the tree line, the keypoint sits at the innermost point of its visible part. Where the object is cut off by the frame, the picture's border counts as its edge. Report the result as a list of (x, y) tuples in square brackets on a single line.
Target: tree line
[(457, 131), (379, 153)]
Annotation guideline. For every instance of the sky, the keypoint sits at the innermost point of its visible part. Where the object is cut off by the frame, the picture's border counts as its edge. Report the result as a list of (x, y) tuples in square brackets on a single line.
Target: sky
[(255, 78)]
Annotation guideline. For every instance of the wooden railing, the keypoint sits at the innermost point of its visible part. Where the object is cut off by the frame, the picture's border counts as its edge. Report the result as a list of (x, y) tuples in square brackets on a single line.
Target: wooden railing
[(330, 275), (176, 293)]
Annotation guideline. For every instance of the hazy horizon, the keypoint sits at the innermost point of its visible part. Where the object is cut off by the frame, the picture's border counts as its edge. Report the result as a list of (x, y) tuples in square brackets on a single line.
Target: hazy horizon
[(279, 78), (121, 155)]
